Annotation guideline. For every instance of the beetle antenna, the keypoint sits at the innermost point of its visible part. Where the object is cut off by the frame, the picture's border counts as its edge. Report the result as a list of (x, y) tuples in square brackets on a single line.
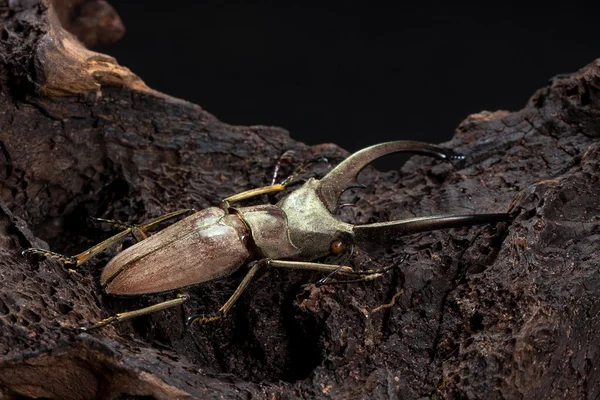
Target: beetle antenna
[(302, 169), (286, 158)]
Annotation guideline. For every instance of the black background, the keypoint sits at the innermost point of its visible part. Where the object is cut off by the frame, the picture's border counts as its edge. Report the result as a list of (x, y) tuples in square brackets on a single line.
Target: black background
[(353, 76)]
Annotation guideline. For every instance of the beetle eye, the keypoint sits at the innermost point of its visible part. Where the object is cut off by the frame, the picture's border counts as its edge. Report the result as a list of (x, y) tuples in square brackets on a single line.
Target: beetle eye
[(337, 247)]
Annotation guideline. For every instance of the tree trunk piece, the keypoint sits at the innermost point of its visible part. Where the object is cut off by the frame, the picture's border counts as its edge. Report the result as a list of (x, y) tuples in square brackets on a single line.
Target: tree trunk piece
[(505, 311)]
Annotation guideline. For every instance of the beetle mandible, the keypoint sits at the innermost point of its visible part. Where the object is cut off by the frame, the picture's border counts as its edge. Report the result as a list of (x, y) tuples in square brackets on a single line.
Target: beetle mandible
[(216, 241)]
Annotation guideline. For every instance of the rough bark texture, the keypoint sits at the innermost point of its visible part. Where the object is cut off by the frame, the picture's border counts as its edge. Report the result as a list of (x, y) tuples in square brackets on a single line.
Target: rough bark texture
[(509, 311)]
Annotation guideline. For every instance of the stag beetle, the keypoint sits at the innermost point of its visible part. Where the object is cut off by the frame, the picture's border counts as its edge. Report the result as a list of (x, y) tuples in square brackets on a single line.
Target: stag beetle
[(215, 242)]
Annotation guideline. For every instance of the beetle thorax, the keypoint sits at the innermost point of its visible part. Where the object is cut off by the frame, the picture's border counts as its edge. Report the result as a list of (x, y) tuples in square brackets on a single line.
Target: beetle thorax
[(312, 228)]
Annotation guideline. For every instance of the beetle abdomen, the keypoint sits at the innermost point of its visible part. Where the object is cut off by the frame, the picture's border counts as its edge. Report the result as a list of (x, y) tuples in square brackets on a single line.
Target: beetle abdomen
[(204, 246)]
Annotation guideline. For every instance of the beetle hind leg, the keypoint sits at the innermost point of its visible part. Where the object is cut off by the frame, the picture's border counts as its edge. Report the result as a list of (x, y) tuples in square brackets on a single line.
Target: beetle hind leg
[(50, 254), (180, 299), (80, 258), (205, 318), (137, 231)]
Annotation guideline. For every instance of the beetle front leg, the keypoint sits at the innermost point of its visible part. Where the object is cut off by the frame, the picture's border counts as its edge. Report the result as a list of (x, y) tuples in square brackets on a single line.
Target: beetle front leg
[(366, 277), (275, 187), (248, 194), (251, 193), (331, 268)]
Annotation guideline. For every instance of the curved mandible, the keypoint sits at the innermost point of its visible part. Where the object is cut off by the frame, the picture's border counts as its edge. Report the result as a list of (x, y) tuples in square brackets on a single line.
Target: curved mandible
[(382, 231), (338, 179)]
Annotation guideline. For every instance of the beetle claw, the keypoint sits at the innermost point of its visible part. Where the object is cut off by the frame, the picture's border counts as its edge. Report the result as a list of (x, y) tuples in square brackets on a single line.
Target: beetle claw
[(50, 254), (356, 186), (101, 324), (113, 222), (368, 275), (203, 318)]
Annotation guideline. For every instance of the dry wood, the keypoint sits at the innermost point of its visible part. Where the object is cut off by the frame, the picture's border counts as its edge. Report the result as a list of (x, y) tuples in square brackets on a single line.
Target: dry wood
[(510, 311)]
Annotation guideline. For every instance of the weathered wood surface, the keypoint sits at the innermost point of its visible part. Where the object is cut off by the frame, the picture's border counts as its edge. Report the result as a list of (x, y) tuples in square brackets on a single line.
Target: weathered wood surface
[(490, 312)]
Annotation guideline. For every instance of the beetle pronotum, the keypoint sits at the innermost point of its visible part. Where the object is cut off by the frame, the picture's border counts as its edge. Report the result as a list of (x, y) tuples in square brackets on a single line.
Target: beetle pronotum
[(214, 242)]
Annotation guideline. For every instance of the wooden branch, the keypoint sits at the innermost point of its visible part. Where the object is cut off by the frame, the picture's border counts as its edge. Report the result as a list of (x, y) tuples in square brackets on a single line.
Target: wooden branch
[(506, 311)]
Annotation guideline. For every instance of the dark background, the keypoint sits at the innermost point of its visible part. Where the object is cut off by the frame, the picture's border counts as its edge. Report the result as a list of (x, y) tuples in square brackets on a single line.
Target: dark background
[(353, 76)]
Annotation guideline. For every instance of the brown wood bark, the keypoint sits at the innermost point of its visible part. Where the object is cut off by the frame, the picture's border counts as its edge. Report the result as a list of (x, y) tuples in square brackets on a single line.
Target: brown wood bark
[(489, 312)]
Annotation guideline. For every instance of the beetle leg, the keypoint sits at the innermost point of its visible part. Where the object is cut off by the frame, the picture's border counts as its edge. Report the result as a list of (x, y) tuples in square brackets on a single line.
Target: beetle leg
[(275, 187), (142, 228), (285, 158), (254, 268), (204, 318), (323, 280), (113, 222), (165, 217), (256, 265), (251, 193), (373, 275), (180, 299), (138, 232), (302, 169), (312, 266), (81, 257)]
